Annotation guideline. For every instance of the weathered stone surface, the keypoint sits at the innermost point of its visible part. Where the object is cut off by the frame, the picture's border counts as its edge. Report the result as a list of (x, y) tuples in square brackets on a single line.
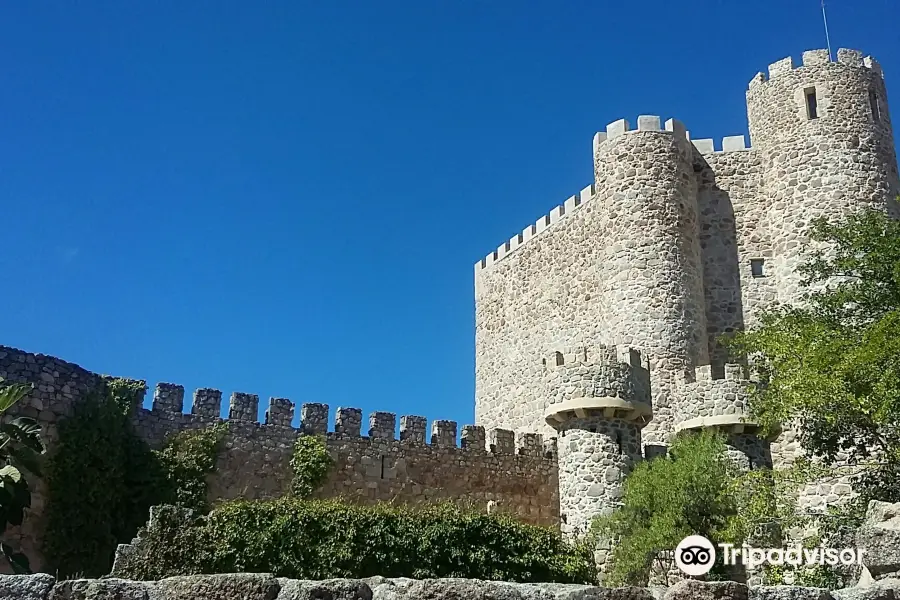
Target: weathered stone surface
[(788, 592), (26, 587), (562, 591), (104, 589), (261, 586), (886, 589), (879, 538), (246, 586), (454, 589), (690, 589), (330, 589)]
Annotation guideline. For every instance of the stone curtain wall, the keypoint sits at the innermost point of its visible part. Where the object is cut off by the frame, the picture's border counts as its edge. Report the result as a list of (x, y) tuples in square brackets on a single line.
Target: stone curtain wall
[(517, 472)]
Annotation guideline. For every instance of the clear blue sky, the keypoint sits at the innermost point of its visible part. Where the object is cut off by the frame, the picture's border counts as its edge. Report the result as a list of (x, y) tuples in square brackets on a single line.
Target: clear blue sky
[(287, 198)]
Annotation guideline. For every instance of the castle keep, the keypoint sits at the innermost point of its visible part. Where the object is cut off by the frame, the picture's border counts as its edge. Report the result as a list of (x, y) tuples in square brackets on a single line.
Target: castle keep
[(675, 243), (596, 327)]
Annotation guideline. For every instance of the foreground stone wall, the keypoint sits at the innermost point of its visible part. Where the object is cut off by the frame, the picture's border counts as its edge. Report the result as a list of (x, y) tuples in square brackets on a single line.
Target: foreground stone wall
[(517, 473), (260, 586)]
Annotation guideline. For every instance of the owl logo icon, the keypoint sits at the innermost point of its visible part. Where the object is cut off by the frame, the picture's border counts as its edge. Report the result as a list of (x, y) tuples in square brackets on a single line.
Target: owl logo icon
[(695, 555)]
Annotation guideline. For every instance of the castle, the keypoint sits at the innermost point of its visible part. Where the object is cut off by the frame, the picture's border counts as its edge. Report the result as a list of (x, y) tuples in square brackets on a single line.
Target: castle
[(674, 244), (596, 327)]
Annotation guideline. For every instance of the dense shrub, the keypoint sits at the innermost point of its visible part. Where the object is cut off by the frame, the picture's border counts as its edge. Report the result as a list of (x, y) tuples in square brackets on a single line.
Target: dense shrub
[(313, 539), (102, 479)]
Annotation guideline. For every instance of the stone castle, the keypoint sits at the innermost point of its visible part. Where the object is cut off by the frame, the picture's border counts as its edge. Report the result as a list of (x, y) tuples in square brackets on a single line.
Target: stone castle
[(596, 327), (673, 245)]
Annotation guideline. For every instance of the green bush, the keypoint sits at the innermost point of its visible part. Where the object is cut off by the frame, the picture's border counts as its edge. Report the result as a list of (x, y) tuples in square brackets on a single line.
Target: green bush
[(322, 539), (186, 459)]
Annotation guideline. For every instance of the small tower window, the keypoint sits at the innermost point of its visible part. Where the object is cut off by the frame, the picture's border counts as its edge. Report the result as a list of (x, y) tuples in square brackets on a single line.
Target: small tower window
[(812, 103), (757, 267), (873, 103)]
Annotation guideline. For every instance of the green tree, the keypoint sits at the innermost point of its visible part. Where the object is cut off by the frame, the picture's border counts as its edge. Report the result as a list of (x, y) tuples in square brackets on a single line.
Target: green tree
[(689, 492), (20, 447), (831, 365)]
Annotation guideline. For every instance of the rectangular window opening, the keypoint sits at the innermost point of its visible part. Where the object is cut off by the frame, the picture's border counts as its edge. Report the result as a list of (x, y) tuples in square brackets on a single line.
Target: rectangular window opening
[(757, 267), (873, 103), (812, 104)]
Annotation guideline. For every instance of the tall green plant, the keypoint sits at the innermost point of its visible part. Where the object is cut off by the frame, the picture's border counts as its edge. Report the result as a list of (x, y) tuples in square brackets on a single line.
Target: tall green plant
[(20, 447), (667, 499), (95, 499), (103, 478)]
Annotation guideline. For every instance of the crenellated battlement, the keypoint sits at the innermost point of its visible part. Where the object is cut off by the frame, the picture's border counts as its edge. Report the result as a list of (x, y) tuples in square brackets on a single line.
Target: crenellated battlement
[(535, 229), (732, 143), (612, 381), (814, 58), (720, 400), (596, 355), (168, 400), (730, 372), (645, 124)]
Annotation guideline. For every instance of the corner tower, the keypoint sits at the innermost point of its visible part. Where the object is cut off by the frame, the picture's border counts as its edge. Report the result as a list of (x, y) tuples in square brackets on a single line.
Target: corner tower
[(651, 280), (825, 138)]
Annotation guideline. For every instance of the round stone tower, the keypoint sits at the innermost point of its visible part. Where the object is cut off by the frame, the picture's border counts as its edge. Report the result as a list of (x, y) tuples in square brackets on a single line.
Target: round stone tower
[(650, 279), (708, 402), (598, 400), (824, 134)]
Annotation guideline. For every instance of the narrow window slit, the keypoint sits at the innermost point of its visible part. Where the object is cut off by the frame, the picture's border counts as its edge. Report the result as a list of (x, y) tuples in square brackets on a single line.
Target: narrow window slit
[(873, 103), (812, 103)]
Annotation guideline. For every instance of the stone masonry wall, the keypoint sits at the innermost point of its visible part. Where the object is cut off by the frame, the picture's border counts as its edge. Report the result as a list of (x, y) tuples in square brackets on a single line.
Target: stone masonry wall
[(517, 473), (265, 586)]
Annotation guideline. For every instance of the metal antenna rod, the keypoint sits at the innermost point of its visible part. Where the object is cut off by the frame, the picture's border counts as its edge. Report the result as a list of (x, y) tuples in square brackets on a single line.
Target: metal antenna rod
[(827, 37)]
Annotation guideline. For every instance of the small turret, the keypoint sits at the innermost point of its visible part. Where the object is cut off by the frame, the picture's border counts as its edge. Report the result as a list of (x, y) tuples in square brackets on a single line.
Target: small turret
[(598, 399), (723, 404)]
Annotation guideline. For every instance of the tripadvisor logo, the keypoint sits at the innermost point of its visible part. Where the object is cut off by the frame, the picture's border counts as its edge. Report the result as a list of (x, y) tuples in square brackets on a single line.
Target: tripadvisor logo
[(695, 556)]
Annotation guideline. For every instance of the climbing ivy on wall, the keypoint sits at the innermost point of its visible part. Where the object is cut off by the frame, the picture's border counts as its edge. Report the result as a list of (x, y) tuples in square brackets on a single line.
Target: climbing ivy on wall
[(310, 463), (102, 478)]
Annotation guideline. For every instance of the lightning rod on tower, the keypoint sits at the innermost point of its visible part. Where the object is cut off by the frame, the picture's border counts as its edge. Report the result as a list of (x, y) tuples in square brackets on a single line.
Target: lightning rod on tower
[(827, 37)]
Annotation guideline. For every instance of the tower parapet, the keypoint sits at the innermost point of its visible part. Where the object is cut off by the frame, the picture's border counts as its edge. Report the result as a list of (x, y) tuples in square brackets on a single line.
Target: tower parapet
[(719, 402), (612, 382)]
